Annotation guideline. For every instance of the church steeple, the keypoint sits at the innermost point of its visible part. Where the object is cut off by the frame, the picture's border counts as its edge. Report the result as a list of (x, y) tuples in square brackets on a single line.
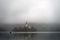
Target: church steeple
[(26, 22), (26, 25)]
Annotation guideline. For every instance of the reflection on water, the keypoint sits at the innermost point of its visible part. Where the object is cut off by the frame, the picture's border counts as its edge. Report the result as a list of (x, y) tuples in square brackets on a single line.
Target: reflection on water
[(38, 36)]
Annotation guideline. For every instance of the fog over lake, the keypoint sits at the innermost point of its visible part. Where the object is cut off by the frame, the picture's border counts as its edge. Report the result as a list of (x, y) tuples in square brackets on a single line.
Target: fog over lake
[(41, 14)]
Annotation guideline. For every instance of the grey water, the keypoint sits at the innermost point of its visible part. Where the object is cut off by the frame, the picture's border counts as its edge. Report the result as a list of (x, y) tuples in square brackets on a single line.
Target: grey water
[(38, 36)]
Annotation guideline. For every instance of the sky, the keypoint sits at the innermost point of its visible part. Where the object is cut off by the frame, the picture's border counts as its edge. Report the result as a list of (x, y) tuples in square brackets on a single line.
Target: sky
[(35, 11)]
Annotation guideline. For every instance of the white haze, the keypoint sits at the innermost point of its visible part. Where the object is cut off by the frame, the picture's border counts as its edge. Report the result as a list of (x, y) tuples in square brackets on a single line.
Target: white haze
[(36, 11)]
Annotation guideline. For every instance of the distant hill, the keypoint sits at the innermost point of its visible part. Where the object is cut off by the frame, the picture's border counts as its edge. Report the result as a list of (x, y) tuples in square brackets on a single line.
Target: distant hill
[(39, 27)]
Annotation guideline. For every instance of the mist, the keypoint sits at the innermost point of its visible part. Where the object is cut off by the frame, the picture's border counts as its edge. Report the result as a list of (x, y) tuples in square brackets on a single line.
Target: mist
[(35, 11), (40, 14)]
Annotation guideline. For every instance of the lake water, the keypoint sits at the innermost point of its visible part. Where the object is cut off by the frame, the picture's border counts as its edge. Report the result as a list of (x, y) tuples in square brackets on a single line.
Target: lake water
[(38, 36)]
